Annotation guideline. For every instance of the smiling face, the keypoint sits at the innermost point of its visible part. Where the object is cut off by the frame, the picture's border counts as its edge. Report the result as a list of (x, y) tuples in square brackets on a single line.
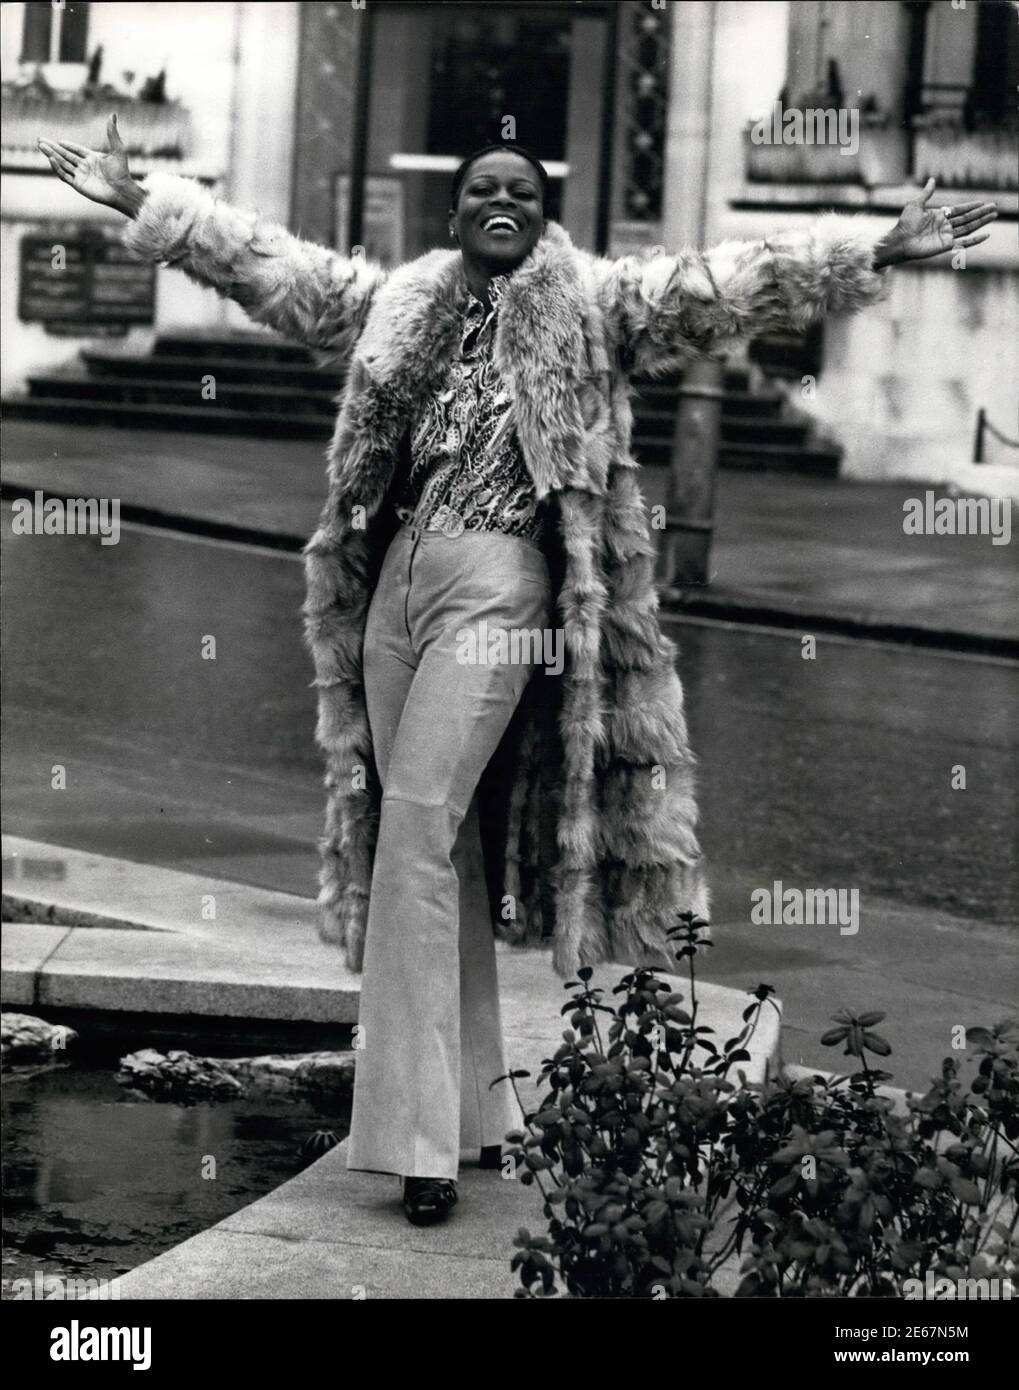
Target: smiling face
[(498, 218)]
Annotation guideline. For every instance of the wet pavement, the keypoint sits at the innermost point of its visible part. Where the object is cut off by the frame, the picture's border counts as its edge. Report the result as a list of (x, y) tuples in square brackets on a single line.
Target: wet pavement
[(831, 773), (786, 548)]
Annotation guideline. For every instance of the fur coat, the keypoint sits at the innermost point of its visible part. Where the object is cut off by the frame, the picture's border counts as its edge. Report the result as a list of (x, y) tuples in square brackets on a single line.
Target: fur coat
[(588, 807)]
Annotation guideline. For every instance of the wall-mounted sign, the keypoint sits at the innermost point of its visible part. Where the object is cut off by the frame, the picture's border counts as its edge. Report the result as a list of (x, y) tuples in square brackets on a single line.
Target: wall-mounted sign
[(382, 234), (82, 284)]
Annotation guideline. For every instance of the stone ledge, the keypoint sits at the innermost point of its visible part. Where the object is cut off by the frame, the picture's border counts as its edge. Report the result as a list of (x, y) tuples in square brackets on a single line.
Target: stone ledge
[(131, 938), (77, 888)]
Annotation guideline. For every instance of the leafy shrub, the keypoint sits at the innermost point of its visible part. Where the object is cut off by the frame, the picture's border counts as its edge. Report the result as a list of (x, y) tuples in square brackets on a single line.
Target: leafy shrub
[(657, 1162)]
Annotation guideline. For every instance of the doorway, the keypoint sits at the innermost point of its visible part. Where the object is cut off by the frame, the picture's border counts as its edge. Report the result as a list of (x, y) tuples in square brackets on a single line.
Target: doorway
[(439, 80)]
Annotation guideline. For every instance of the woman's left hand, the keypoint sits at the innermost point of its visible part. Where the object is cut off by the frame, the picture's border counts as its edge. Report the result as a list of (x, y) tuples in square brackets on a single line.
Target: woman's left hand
[(923, 231)]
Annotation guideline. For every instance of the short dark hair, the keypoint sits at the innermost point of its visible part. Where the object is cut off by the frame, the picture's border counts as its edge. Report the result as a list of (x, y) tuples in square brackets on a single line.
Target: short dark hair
[(499, 147)]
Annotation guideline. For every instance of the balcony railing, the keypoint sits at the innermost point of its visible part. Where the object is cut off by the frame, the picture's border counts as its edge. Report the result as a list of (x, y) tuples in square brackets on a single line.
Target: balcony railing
[(879, 158), (960, 158), (154, 132), (941, 147)]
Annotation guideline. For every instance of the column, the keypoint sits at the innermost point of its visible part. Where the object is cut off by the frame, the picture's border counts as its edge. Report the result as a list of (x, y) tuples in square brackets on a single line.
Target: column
[(263, 125)]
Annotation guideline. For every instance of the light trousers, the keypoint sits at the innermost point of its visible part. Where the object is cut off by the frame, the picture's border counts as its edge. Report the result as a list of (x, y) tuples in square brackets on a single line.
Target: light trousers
[(430, 1034)]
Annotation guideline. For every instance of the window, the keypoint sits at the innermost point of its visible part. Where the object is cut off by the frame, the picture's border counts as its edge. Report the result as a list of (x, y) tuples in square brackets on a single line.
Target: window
[(995, 67), (55, 33)]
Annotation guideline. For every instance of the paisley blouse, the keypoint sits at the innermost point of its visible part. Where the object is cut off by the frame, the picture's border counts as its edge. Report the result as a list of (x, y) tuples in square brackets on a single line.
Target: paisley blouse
[(467, 472)]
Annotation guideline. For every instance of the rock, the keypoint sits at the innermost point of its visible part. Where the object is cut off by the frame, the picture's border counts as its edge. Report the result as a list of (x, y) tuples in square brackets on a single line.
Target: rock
[(270, 1073), (327, 1073), (318, 1073), (177, 1076), (25, 1039)]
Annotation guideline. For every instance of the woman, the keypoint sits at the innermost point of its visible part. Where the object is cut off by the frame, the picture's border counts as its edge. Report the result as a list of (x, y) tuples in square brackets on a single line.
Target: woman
[(480, 483)]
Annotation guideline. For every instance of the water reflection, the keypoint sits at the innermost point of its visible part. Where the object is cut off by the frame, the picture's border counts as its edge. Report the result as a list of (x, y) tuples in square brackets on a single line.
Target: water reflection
[(96, 1181)]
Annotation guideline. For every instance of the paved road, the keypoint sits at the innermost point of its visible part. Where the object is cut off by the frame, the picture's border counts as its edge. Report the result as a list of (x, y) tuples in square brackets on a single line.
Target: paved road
[(782, 543), (834, 772)]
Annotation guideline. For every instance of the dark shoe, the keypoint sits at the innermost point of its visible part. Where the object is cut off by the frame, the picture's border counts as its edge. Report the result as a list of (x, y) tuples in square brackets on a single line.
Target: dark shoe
[(428, 1200), (491, 1156)]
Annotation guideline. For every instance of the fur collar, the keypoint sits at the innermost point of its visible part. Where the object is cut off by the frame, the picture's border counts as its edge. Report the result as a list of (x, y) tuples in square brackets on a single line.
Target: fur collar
[(413, 329)]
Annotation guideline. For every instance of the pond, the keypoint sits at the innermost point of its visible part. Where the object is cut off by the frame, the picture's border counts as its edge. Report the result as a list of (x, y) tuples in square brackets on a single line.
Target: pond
[(96, 1180)]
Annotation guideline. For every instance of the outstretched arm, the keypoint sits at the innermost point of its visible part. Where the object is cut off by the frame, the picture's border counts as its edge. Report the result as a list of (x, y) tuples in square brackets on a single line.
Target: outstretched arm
[(669, 308), (304, 291)]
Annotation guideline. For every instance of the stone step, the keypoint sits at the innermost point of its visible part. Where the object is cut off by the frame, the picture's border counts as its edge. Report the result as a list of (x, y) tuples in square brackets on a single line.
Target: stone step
[(319, 405), (113, 377), (266, 386), (817, 462), (217, 418), (733, 379), (253, 347), (762, 456), (263, 359), (259, 399), (660, 424), (293, 375), (199, 418), (747, 429)]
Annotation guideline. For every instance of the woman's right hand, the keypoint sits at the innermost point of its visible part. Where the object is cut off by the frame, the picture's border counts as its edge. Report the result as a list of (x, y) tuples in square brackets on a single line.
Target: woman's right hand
[(101, 176)]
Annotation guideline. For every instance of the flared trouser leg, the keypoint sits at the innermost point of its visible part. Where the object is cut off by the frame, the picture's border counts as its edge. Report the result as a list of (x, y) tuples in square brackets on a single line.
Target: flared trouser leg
[(430, 1040), (486, 1111)]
